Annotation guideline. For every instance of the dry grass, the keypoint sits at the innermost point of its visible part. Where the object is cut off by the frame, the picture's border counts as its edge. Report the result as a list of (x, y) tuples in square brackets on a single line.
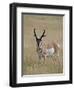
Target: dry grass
[(32, 65), (54, 31)]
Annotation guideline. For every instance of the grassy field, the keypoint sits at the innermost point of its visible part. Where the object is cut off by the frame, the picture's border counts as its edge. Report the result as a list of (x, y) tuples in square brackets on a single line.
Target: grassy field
[(54, 32)]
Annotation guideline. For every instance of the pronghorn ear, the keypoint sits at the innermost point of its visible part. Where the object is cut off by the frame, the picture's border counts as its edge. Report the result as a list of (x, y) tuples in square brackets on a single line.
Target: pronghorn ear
[(44, 36)]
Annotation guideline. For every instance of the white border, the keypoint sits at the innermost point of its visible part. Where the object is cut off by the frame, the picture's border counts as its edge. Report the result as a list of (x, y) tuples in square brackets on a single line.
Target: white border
[(47, 77)]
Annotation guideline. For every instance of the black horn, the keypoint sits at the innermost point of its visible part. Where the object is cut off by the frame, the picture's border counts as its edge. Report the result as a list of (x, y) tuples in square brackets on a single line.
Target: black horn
[(43, 35), (35, 33)]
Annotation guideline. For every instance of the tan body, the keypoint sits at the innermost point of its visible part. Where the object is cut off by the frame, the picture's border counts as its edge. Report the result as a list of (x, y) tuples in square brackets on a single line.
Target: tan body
[(49, 49)]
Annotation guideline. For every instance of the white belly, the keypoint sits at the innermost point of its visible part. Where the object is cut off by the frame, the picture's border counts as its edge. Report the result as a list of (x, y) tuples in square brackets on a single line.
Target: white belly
[(50, 51)]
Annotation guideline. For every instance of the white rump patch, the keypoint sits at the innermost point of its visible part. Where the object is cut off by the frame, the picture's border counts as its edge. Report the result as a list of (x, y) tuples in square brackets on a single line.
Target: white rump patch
[(50, 51)]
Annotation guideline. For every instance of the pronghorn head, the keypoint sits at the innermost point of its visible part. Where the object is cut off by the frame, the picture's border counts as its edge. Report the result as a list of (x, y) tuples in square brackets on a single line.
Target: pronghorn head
[(39, 39)]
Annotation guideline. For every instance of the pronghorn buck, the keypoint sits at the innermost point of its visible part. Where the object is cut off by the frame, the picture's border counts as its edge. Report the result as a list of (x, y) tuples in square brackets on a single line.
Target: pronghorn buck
[(44, 49)]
